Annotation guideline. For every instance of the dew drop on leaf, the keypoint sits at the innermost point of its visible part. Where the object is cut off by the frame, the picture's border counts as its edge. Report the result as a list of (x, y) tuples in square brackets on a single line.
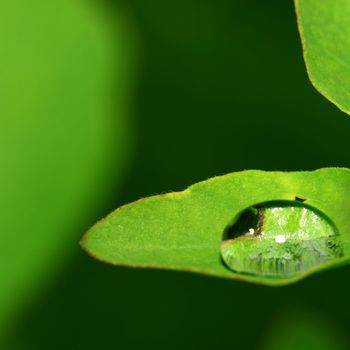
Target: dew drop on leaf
[(280, 239)]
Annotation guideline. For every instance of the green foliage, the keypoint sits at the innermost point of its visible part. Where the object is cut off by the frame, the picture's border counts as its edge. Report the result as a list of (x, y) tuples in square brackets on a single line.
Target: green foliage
[(325, 33), (183, 230), (60, 133), (302, 330)]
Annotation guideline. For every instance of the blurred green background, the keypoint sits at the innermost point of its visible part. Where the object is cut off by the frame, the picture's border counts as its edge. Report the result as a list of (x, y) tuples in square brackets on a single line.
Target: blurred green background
[(212, 87)]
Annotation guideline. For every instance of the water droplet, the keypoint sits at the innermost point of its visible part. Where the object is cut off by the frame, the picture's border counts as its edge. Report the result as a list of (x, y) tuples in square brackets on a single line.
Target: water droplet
[(280, 239)]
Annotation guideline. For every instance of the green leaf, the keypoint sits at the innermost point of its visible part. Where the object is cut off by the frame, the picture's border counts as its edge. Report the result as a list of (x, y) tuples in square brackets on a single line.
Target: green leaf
[(302, 330), (183, 230), (61, 132), (325, 34)]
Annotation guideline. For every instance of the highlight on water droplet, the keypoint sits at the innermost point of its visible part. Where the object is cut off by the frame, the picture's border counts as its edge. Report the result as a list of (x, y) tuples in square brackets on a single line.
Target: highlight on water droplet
[(280, 239)]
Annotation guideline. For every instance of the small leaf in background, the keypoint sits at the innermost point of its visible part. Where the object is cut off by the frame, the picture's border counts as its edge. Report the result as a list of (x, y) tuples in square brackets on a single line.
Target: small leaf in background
[(325, 33), (63, 134), (183, 230), (303, 330)]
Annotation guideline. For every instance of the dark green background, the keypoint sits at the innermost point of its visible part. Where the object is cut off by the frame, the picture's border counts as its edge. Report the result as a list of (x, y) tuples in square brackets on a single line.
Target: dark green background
[(221, 87)]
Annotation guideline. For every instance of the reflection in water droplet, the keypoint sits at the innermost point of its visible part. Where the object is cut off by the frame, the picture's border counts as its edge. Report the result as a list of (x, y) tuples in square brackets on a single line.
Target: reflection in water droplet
[(280, 239)]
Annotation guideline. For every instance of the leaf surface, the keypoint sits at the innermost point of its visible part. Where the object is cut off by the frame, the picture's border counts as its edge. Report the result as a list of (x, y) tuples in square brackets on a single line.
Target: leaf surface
[(325, 33), (61, 132), (183, 230)]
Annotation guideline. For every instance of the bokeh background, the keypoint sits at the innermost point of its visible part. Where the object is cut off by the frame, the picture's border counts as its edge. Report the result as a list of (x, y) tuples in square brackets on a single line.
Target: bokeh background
[(189, 89)]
